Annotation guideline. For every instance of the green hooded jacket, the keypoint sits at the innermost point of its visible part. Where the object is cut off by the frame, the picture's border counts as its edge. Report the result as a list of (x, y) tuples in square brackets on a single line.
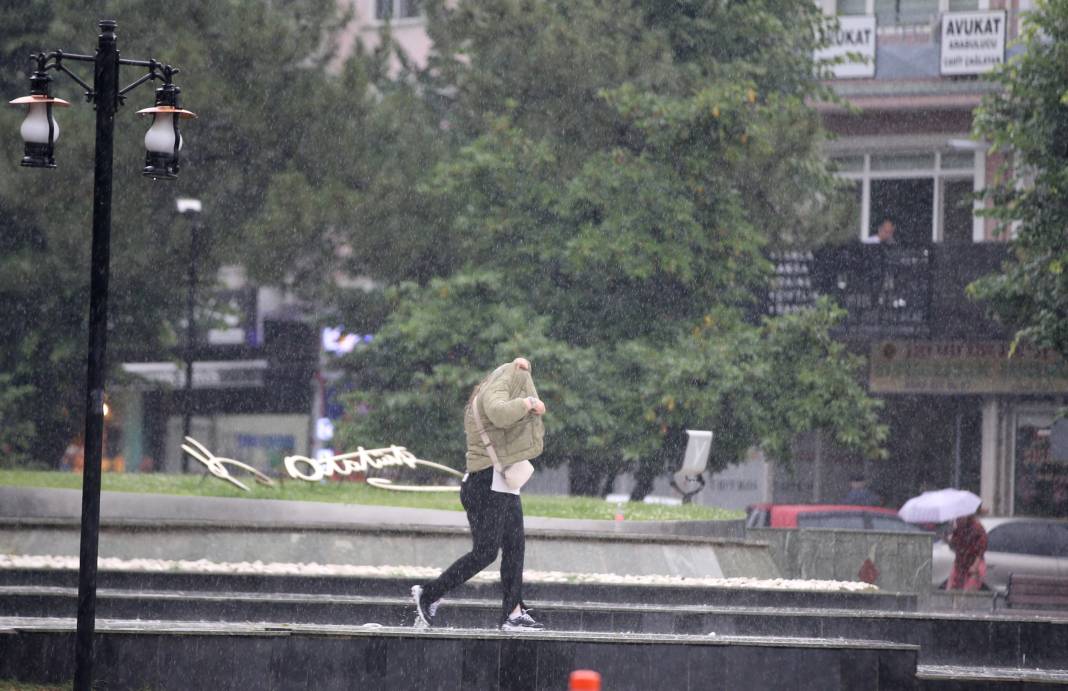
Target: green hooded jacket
[(515, 434)]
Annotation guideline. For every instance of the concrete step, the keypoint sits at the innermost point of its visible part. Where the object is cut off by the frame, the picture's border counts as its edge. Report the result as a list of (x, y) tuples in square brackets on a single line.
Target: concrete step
[(177, 655), (533, 590), (942, 638), (431, 546), (983, 678)]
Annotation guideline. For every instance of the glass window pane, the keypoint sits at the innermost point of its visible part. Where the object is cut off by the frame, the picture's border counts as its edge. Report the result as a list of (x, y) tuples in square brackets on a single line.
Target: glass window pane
[(383, 9), (908, 204), (905, 12), (892, 524), (852, 6), (957, 211), (1060, 539), (848, 164), (1024, 537), (914, 161), (958, 160), (409, 8), (838, 521), (1041, 481)]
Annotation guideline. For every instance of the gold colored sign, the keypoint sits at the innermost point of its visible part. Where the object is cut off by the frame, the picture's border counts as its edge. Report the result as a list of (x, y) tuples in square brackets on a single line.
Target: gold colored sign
[(313, 470), (964, 367)]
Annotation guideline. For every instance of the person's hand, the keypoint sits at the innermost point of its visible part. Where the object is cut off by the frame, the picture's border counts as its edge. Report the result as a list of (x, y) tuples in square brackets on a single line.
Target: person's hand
[(534, 405), (522, 363)]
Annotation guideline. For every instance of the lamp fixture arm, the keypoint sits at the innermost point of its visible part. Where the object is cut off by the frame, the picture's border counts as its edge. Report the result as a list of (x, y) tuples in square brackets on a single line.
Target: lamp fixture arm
[(54, 61), (154, 66)]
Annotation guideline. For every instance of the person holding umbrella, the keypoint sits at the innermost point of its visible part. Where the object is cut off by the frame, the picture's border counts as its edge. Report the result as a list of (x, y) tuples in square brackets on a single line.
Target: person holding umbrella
[(967, 539)]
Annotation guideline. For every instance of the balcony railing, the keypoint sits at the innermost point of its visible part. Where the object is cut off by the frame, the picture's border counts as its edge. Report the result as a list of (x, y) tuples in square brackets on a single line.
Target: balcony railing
[(899, 291)]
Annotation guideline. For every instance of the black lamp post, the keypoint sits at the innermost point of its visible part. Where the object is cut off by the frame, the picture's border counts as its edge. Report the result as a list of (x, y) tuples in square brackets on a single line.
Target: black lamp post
[(191, 208), (40, 132)]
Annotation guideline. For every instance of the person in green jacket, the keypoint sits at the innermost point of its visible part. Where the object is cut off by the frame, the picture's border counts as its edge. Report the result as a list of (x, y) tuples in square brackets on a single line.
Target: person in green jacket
[(504, 409)]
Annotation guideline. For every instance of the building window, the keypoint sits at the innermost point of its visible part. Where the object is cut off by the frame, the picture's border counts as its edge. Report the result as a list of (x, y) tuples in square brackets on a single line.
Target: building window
[(907, 12), (903, 12), (1040, 480), (851, 7), (396, 9), (927, 194)]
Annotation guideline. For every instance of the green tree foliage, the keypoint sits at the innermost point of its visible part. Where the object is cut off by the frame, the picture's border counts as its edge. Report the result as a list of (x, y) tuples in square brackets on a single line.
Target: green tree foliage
[(1027, 120), (273, 124), (16, 431), (626, 166)]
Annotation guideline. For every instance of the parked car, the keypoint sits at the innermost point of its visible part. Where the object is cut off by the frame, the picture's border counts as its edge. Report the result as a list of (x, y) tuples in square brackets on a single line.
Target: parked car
[(1029, 546), (836, 516)]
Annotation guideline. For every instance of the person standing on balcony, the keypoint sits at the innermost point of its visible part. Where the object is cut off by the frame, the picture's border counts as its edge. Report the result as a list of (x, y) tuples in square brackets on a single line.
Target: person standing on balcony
[(884, 233), (504, 431)]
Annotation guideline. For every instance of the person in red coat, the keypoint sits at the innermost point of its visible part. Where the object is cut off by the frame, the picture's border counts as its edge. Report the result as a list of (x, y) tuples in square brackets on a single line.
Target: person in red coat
[(967, 539)]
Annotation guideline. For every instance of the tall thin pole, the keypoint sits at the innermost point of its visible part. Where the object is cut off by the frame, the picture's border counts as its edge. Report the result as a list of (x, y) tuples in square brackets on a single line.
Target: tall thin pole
[(956, 451), (190, 336), (106, 96)]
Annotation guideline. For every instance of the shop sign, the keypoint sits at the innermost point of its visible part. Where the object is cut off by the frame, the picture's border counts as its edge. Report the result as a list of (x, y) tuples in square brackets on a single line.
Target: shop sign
[(972, 42), (362, 461), (854, 41), (961, 367)]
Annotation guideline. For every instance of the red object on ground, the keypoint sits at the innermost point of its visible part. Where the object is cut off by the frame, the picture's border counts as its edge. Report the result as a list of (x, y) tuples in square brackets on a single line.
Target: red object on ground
[(869, 573), (584, 680)]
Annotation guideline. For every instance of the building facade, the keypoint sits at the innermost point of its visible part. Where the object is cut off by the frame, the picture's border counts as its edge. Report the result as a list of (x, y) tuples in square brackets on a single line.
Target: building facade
[(961, 411)]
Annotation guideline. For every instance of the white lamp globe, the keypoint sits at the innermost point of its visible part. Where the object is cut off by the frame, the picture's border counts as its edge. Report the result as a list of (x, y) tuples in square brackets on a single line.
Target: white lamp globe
[(160, 137), (34, 128)]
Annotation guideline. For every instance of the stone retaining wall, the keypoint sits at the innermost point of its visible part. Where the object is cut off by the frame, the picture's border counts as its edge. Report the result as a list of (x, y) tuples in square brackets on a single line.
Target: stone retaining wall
[(903, 560)]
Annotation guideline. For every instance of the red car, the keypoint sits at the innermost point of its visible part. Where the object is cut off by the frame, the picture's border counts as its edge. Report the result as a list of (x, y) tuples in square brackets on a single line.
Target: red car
[(836, 516)]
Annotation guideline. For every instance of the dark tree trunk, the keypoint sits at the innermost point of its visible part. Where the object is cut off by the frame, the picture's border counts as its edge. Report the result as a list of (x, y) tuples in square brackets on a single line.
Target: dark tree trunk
[(585, 479), (667, 458), (644, 477)]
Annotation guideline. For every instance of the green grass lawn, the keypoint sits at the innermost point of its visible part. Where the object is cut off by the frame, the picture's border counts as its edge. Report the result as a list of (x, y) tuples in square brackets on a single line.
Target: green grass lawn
[(357, 493)]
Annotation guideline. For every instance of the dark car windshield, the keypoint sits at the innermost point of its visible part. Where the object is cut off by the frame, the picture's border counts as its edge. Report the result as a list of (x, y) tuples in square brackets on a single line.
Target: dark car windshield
[(893, 524), (838, 519), (1023, 537)]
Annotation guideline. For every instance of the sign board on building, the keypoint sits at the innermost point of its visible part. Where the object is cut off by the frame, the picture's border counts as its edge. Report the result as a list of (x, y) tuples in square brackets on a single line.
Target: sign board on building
[(854, 38), (972, 42), (962, 367)]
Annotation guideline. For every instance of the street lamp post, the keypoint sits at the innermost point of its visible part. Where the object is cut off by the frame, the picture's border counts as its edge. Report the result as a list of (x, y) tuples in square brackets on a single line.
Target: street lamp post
[(163, 141), (191, 208)]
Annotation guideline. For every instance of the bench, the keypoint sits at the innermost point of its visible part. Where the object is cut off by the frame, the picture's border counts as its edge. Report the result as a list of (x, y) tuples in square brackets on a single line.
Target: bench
[(1036, 592)]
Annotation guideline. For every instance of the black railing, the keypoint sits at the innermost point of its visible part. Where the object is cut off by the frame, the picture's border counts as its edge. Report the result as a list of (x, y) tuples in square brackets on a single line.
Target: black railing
[(891, 291)]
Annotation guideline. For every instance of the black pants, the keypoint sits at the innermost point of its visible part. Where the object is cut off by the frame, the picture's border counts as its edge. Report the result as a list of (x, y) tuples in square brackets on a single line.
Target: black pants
[(496, 520)]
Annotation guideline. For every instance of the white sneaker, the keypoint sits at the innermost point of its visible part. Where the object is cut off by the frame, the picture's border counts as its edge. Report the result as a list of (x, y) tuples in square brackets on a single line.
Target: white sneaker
[(424, 614), (522, 622)]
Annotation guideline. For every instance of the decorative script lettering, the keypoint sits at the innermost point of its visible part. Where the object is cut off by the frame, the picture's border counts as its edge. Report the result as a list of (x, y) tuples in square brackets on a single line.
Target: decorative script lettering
[(363, 460), (313, 470), (217, 464)]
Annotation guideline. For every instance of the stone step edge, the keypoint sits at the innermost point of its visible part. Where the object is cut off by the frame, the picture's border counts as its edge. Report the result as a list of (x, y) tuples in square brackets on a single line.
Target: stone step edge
[(402, 572), (16, 625), (958, 673), (589, 605), (543, 533)]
